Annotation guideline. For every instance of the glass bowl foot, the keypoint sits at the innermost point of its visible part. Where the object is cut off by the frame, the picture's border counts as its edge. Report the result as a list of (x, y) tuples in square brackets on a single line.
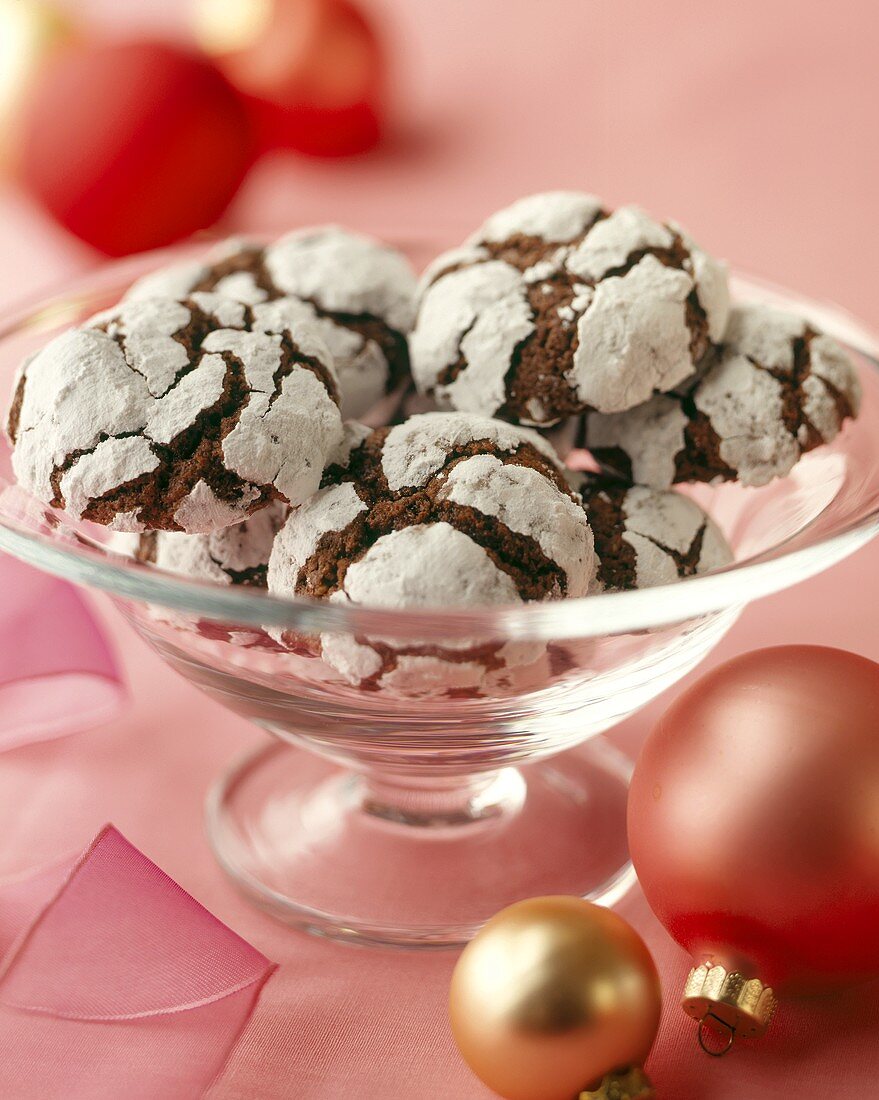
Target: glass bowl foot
[(392, 862)]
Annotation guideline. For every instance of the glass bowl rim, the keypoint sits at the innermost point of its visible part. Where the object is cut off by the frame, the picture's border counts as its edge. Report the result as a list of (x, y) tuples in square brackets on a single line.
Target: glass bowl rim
[(595, 615)]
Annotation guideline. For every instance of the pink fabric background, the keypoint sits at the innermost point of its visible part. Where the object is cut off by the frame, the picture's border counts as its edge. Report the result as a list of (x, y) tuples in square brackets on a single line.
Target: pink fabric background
[(98, 1000), (57, 674), (755, 125)]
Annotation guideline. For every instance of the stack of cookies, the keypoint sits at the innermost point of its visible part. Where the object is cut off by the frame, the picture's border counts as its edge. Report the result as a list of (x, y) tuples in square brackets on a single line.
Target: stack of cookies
[(223, 416)]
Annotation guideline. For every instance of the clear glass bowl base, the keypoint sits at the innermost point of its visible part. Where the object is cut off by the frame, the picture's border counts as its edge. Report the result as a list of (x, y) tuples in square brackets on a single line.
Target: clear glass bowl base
[(352, 858)]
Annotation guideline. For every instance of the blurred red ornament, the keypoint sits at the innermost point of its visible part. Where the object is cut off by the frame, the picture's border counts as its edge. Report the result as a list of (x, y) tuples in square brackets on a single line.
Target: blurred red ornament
[(312, 71), (133, 145), (754, 828), (30, 35)]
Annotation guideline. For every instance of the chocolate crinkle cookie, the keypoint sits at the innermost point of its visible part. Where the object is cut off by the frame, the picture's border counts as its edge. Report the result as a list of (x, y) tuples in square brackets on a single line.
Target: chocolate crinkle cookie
[(444, 510), (646, 537), (177, 416), (779, 389), (556, 305), (238, 554), (357, 292)]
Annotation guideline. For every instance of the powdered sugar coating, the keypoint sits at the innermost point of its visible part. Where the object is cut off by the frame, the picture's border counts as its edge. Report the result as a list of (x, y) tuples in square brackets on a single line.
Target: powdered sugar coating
[(552, 308), (237, 554), (554, 216), (482, 313), (105, 428), (646, 537), (355, 291), (636, 328), (427, 566), (711, 277), (112, 462), (670, 523), (611, 241), (527, 502), (331, 509), (745, 406), (778, 390), (416, 449), (179, 280), (344, 272), (444, 510), (649, 436)]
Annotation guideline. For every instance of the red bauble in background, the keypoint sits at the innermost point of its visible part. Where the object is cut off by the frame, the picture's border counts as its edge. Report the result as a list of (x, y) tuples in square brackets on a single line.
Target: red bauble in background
[(312, 71), (133, 145), (754, 818)]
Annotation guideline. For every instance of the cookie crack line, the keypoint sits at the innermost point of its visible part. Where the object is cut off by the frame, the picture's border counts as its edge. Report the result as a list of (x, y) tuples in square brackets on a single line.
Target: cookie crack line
[(449, 373), (488, 656), (535, 576), (367, 475), (250, 260), (190, 336), (170, 482), (523, 251), (676, 256), (291, 358), (166, 453), (254, 575), (118, 338), (521, 371), (70, 460), (686, 561)]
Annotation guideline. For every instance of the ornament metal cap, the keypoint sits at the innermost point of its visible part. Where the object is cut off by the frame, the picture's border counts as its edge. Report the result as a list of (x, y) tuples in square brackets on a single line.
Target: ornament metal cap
[(625, 1084), (734, 1004)]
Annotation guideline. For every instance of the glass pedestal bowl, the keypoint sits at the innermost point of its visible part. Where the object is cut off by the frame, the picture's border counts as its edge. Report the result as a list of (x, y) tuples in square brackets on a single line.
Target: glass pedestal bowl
[(426, 803)]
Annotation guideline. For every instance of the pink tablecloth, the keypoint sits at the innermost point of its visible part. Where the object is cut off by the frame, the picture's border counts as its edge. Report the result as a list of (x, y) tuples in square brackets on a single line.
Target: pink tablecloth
[(755, 125), (337, 1021)]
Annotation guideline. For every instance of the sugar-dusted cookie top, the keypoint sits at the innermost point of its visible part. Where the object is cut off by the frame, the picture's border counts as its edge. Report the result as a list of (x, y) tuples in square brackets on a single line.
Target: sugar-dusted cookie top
[(178, 416), (779, 389), (646, 537), (556, 305), (357, 292), (238, 554), (444, 510)]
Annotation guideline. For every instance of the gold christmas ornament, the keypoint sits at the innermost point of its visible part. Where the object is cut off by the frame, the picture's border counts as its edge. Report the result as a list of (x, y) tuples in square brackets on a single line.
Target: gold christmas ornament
[(728, 1004), (557, 998), (30, 32)]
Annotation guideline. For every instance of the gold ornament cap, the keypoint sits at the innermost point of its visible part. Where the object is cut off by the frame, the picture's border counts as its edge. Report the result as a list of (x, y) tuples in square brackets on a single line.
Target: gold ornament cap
[(626, 1084), (742, 1006)]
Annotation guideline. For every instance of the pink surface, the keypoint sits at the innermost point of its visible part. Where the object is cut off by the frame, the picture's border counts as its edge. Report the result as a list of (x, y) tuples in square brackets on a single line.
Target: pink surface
[(752, 123), (57, 673), (122, 985)]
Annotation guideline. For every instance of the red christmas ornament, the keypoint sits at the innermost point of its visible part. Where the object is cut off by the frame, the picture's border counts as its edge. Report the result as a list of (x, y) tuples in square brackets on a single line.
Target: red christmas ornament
[(312, 71), (133, 145), (754, 829)]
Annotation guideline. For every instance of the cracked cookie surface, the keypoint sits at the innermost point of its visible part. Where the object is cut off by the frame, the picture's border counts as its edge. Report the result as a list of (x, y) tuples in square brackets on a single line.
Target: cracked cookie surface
[(444, 510), (556, 305), (357, 292), (779, 389), (647, 537), (238, 554), (180, 416)]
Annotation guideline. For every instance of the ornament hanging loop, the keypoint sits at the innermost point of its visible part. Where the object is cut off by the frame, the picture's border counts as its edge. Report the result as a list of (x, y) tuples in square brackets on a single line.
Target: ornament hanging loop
[(720, 1028)]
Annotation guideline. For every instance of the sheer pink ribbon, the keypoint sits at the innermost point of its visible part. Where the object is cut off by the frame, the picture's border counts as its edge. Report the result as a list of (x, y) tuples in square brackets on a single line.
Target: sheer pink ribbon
[(114, 982), (57, 672)]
